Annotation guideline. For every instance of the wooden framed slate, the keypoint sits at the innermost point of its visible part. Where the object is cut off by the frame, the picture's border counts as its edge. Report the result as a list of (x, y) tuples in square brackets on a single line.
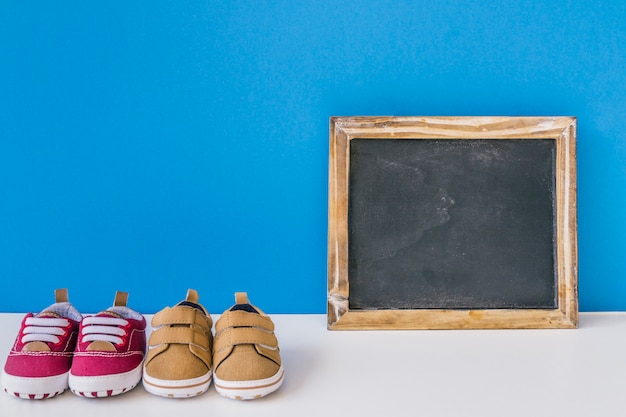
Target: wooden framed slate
[(452, 223)]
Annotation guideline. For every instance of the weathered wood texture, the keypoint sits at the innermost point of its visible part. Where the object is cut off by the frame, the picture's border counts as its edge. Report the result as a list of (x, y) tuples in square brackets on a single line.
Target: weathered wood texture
[(344, 129)]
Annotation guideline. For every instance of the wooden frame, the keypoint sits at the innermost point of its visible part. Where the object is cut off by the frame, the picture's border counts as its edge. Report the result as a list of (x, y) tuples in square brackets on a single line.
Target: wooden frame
[(343, 130)]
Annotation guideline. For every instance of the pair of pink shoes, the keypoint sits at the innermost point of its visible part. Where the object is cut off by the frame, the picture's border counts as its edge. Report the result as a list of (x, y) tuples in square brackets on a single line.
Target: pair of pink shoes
[(95, 356)]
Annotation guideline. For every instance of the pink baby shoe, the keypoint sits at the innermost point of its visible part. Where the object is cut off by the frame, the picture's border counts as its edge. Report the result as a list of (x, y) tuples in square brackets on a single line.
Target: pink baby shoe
[(39, 362), (109, 356)]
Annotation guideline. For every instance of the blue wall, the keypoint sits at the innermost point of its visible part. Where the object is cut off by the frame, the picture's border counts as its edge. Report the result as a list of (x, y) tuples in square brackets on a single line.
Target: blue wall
[(153, 147)]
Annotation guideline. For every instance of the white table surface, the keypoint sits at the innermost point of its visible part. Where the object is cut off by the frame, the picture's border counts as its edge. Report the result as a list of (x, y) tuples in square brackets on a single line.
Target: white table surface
[(579, 372)]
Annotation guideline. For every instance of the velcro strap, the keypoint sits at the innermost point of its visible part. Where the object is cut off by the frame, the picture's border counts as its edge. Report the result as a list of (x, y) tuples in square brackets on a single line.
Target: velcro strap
[(181, 315), (244, 336), (273, 354), (243, 319), (181, 335)]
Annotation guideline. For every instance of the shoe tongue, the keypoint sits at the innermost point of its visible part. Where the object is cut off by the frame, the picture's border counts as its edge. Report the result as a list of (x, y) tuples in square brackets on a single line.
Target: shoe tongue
[(109, 313), (244, 307), (186, 303), (50, 314)]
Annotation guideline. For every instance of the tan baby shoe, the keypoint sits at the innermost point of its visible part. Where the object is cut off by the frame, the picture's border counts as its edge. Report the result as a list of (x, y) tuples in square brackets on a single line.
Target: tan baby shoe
[(246, 355), (179, 359)]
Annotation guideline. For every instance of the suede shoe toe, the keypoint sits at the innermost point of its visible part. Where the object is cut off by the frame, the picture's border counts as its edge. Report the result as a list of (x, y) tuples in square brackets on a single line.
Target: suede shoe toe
[(246, 355)]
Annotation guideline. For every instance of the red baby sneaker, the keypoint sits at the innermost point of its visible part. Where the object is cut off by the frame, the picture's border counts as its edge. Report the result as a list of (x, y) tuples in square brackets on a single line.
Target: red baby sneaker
[(39, 362), (109, 356)]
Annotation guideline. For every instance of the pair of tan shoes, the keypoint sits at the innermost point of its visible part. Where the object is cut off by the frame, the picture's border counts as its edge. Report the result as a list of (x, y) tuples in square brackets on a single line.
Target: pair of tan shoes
[(183, 357)]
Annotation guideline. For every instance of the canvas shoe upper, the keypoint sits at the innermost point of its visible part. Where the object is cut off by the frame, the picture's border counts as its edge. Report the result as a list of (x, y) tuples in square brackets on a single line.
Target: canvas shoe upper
[(246, 358), (110, 351), (39, 362), (179, 359)]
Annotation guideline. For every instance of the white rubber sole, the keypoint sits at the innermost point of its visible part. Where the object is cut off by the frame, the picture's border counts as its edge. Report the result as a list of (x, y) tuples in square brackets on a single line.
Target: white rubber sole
[(183, 388), (104, 385), (249, 390), (34, 388)]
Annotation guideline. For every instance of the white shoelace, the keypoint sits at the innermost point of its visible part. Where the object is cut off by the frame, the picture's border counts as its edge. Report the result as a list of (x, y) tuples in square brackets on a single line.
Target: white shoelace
[(103, 329), (44, 329)]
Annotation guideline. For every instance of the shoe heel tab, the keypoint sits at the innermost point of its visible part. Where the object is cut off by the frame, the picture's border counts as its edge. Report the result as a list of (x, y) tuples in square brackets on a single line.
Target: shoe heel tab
[(121, 298), (241, 298), (60, 295), (192, 296)]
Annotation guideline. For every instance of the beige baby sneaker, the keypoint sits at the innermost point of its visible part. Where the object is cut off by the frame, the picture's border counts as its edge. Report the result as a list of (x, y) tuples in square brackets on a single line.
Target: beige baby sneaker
[(246, 355), (179, 359)]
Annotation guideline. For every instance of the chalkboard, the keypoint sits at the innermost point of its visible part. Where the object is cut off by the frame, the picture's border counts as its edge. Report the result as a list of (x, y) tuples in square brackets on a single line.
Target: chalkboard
[(452, 223)]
